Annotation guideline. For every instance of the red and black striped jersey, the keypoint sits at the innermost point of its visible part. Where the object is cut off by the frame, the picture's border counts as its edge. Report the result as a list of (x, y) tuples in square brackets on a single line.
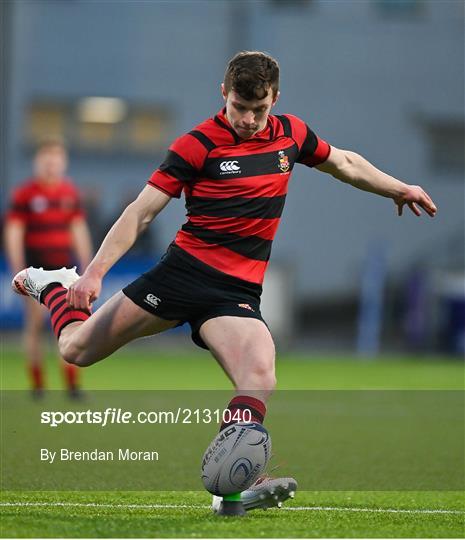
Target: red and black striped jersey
[(47, 212), (235, 189)]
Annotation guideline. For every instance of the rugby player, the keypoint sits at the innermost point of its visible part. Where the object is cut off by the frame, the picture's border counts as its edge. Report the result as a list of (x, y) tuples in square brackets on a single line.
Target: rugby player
[(234, 171), (45, 227)]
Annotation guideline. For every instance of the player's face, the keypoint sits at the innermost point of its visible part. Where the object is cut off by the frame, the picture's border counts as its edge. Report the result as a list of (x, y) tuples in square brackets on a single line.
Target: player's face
[(247, 117), (50, 163)]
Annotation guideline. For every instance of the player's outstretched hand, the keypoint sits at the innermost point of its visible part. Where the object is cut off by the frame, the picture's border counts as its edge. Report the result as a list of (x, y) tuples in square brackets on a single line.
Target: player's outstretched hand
[(415, 198), (84, 291)]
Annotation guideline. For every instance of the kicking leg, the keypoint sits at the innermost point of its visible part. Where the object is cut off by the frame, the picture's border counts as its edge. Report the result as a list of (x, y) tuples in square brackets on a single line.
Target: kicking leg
[(84, 339), (116, 323)]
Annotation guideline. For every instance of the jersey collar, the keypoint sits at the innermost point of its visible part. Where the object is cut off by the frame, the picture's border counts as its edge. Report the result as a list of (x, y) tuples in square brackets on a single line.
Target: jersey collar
[(265, 134), (40, 184)]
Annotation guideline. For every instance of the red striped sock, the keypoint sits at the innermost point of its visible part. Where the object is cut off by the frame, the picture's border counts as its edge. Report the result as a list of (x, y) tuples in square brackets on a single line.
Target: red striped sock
[(244, 409), (54, 298), (37, 376)]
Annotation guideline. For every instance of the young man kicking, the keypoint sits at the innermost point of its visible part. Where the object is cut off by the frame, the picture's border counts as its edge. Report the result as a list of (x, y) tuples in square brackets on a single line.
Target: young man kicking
[(234, 170)]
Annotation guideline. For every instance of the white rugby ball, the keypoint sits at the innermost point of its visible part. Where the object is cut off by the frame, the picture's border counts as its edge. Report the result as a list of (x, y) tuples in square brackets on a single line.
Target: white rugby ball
[(235, 458)]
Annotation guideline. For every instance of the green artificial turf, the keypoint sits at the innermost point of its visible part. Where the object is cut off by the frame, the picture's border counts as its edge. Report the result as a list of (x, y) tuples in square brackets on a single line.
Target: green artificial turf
[(355, 514), (143, 368), (186, 515)]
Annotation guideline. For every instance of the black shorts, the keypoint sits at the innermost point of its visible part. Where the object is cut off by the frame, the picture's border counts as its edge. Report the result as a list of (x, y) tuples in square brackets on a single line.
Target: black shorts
[(180, 287)]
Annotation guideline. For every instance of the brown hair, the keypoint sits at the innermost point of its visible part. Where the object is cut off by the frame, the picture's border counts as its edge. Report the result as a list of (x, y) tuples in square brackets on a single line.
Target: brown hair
[(47, 144), (251, 74)]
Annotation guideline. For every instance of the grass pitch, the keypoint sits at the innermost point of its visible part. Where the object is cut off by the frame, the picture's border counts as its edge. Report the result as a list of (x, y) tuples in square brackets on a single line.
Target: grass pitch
[(150, 368), (186, 514)]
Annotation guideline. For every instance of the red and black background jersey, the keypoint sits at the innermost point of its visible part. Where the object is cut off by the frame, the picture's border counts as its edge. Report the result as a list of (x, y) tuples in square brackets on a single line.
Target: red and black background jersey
[(47, 212), (235, 189)]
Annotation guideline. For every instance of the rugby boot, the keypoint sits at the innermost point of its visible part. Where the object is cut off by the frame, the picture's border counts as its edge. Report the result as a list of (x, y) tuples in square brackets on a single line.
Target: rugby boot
[(32, 281), (265, 493)]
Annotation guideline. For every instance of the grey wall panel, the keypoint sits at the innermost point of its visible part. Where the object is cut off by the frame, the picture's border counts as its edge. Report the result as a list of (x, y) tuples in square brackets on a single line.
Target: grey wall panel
[(360, 80)]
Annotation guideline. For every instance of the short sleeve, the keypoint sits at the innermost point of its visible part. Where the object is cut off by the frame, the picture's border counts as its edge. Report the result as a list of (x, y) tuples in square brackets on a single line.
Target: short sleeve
[(166, 183), (181, 166), (18, 208), (312, 149)]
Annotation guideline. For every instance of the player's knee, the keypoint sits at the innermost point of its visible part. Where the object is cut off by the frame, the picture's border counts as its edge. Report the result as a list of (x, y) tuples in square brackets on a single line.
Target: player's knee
[(263, 372), (75, 353), (269, 381)]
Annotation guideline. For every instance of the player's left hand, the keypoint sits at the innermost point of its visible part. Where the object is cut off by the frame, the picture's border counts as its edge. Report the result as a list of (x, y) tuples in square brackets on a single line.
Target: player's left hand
[(84, 291), (415, 198)]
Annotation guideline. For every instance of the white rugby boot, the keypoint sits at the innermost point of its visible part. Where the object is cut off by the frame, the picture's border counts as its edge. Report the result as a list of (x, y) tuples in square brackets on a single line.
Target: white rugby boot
[(32, 281), (265, 493)]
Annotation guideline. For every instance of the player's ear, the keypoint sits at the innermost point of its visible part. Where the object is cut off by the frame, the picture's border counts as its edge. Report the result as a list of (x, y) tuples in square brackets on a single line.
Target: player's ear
[(223, 92), (275, 99)]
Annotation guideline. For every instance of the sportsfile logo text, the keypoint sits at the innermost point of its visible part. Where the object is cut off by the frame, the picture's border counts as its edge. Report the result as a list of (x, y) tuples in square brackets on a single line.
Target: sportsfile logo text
[(113, 415)]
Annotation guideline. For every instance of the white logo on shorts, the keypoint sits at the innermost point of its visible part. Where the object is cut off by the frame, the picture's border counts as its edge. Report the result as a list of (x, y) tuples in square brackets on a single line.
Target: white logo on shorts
[(152, 300), (230, 167)]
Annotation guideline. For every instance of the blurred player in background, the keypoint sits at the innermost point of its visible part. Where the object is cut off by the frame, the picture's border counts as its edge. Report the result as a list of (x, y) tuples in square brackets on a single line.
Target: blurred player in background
[(45, 227), (234, 170)]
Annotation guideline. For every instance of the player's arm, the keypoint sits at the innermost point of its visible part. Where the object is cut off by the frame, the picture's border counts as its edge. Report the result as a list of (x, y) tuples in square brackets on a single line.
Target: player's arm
[(14, 244), (132, 222), (355, 170), (82, 243)]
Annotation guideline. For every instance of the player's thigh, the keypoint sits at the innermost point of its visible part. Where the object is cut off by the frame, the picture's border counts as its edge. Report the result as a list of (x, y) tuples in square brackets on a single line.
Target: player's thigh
[(116, 323), (240, 344)]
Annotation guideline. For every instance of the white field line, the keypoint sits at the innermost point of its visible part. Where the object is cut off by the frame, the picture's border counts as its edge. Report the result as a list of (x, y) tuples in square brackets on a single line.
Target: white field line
[(381, 510), (204, 507)]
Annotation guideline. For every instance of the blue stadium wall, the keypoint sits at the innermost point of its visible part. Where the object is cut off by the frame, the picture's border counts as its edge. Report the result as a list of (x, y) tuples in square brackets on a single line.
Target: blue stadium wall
[(362, 79)]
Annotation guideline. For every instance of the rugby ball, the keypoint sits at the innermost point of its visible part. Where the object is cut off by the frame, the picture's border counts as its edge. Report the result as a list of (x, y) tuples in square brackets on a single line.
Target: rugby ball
[(235, 458)]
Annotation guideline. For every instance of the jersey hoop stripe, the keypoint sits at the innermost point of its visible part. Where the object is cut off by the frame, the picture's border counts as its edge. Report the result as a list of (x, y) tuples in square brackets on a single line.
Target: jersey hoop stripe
[(203, 139), (286, 125)]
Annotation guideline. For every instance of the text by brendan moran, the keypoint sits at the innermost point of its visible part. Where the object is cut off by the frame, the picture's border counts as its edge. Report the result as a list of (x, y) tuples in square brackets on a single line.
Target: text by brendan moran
[(121, 454)]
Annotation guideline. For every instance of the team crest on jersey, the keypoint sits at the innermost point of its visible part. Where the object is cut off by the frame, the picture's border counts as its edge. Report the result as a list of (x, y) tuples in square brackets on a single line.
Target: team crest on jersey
[(284, 164)]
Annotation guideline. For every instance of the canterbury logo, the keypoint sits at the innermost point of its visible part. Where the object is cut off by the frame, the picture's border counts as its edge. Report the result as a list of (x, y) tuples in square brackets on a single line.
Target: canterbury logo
[(152, 300), (230, 167)]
